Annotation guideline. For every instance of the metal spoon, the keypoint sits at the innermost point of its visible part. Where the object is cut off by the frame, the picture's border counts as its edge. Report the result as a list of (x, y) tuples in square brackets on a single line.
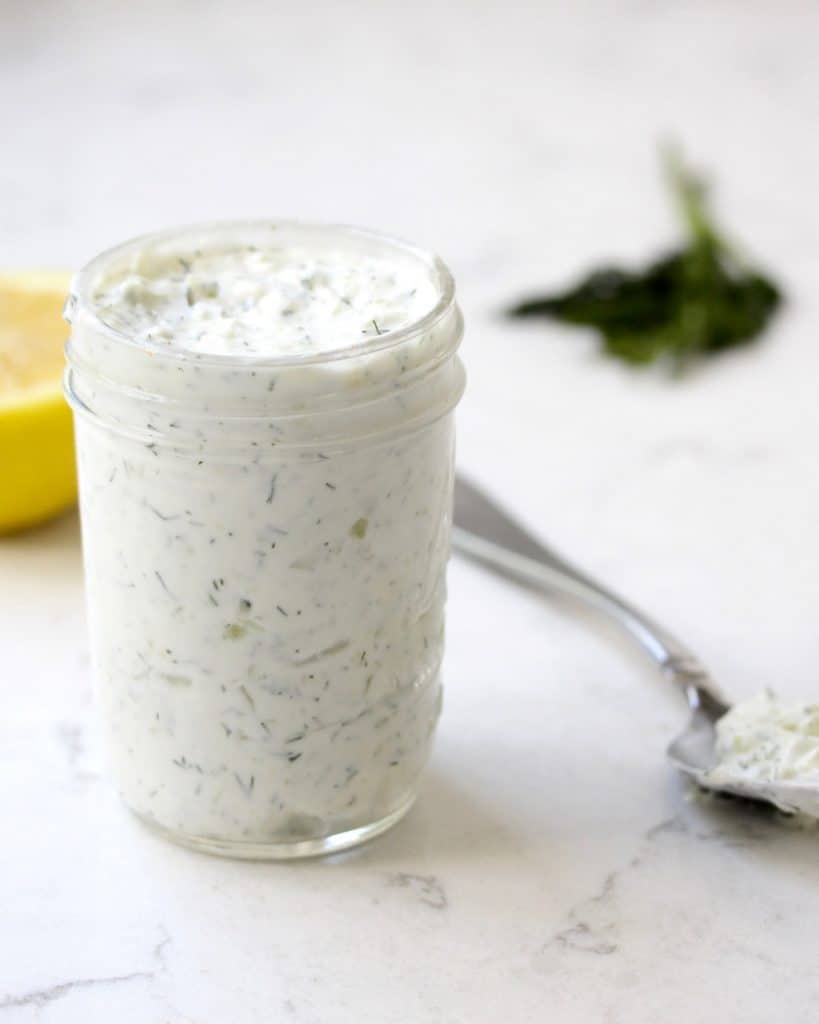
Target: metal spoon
[(486, 534)]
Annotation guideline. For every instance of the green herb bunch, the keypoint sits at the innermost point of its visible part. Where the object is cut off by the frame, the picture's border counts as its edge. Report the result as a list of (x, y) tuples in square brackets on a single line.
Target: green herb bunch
[(700, 298)]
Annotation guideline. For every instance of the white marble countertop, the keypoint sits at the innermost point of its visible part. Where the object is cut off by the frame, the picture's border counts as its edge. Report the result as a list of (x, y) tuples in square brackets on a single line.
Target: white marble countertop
[(554, 867)]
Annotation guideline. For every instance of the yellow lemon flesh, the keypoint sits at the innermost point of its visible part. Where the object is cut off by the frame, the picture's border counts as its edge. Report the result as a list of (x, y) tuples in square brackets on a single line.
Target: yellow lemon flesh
[(37, 474)]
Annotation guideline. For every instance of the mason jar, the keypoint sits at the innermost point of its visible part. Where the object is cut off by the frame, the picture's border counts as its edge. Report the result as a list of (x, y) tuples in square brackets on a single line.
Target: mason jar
[(265, 539)]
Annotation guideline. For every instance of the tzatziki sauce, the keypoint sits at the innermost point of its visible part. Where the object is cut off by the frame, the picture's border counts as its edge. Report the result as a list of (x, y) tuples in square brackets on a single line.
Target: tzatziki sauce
[(226, 299), (265, 448), (765, 739)]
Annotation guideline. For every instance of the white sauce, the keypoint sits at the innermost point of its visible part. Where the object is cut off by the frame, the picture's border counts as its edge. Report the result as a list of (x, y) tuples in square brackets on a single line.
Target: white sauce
[(266, 609), (764, 739), (272, 300)]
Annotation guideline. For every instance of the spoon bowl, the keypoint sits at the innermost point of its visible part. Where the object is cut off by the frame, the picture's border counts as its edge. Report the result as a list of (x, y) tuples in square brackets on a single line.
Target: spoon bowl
[(694, 753), (487, 534)]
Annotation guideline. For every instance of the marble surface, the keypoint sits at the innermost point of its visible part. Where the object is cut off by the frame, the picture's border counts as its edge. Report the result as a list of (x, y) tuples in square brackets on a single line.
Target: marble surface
[(554, 867)]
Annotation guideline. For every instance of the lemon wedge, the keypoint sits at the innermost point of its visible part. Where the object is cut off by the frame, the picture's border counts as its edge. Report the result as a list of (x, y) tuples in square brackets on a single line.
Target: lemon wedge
[(37, 475)]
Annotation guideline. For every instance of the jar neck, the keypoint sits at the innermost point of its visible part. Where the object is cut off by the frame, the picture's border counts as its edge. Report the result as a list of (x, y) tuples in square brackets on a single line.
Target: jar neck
[(178, 396), (355, 412)]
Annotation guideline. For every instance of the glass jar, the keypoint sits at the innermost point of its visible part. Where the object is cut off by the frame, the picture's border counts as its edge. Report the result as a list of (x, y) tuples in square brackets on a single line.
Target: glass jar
[(265, 542)]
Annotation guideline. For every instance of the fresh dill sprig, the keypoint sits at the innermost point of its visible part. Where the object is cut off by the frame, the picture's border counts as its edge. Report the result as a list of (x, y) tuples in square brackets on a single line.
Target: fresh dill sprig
[(698, 299)]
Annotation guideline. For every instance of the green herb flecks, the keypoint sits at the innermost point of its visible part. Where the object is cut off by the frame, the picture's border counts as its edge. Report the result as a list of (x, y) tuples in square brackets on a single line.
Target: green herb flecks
[(174, 680), (163, 584), (161, 515), (236, 630), (271, 491), (201, 290), (246, 787), (359, 529), (696, 300)]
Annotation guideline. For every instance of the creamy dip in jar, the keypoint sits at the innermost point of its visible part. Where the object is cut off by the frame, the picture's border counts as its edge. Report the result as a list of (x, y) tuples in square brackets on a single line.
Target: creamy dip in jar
[(265, 445)]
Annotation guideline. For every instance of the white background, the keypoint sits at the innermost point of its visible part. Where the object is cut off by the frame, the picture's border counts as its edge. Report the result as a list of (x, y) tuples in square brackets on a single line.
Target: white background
[(554, 867)]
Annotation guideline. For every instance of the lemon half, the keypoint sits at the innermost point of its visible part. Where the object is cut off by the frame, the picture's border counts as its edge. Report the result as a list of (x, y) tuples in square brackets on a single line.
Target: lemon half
[(37, 475)]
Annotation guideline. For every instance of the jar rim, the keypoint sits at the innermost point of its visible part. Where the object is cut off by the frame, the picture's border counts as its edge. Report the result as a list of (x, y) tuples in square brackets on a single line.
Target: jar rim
[(80, 306)]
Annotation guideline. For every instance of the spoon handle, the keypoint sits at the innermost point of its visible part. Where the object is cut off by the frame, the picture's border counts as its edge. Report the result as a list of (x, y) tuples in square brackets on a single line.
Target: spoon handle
[(544, 569)]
